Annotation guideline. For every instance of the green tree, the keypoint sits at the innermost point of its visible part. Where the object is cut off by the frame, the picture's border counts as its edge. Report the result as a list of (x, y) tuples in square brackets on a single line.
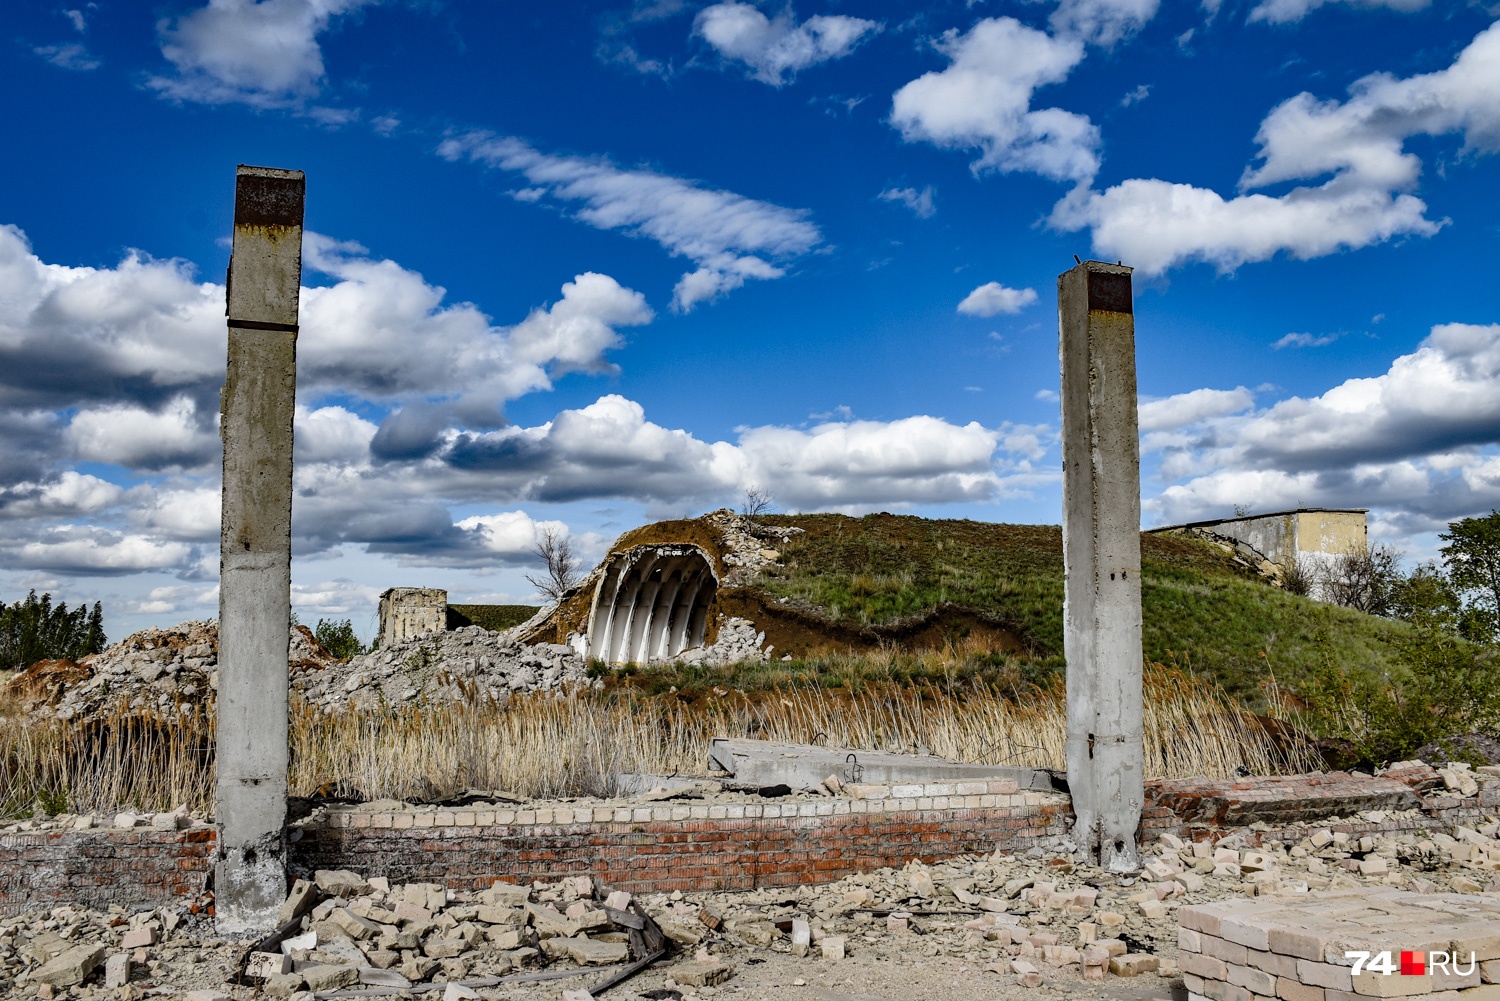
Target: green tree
[(1472, 556), (35, 629), (1427, 598), (338, 638)]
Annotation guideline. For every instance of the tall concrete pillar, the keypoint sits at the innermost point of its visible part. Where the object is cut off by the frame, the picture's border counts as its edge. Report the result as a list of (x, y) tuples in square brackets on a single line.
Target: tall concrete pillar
[(255, 549), (1102, 559)]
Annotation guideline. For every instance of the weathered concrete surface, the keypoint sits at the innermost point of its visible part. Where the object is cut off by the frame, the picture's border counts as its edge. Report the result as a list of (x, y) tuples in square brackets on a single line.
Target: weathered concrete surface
[(255, 553), (1282, 799), (1102, 560), (1314, 538), (409, 612), (652, 603), (801, 766)]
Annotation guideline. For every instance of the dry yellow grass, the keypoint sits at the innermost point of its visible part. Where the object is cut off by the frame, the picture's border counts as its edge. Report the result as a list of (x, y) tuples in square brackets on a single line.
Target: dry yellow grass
[(147, 761), (542, 746)]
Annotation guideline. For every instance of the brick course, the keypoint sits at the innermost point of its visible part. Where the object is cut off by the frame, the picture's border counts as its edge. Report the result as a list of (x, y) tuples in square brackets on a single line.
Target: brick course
[(694, 846), (640, 849), (102, 866)]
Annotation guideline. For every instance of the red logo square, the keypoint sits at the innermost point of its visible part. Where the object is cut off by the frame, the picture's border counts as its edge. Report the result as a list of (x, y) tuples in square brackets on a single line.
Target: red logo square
[(1413, 964)]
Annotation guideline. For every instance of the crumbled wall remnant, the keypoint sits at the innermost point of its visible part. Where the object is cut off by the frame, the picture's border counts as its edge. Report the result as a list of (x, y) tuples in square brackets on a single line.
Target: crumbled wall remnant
[(409, 612), (1316, 538)]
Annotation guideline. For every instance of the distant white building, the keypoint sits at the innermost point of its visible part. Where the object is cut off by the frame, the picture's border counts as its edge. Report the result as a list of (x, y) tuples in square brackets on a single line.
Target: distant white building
[(1312, 538)]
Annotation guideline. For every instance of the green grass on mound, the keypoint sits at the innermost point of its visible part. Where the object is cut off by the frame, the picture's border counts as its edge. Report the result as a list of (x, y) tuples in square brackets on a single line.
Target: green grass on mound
[(1201, 609)]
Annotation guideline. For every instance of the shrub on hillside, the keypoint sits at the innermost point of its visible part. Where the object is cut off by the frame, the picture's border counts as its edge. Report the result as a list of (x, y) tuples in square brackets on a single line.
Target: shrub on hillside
[(1447, 686)]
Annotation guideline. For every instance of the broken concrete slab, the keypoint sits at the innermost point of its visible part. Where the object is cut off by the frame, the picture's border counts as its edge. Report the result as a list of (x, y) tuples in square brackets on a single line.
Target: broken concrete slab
[(70, 967), (589, 952), (700, 973), (766, 763)]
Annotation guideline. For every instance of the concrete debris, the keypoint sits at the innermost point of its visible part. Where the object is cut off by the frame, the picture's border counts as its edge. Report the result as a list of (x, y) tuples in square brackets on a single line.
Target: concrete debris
[(450, 666), (70, 967), (175, 671), (1037, 918), (738, 641), (749, 545)]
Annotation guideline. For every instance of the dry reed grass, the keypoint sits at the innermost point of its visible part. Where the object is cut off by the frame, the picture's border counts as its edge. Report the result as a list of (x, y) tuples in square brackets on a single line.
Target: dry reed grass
[(546, 746), (144, 760)]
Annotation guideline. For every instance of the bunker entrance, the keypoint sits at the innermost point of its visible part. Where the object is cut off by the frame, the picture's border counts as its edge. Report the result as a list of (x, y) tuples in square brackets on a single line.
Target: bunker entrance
[(652, 603)]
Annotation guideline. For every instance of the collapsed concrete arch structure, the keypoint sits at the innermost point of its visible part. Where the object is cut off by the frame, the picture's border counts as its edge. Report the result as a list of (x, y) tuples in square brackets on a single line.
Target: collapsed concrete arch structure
[(694, 590), (651, 603), (672, 590)]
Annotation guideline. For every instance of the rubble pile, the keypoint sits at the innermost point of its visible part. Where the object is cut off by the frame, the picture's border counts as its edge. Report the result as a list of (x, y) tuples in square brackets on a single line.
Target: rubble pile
[(749, 546), (738, 641), (1042, 918), (1032, 917), (371, 932), (174, 670), (447, 666), (169, 670)]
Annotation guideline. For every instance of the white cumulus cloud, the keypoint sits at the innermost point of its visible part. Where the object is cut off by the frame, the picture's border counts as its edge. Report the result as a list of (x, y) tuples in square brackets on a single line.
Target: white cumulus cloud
[(1350, 159), (1418, 440), (610, 449), (1102, 22), (511, 535), (176, 436), (992, 299), (384, 332), (70, 493), (263, 53), (182, 513), (90, 550), (982, 101), (776, 48), (1188, 408)]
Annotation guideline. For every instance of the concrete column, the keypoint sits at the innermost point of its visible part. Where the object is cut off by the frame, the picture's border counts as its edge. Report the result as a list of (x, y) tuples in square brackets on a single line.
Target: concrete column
[(255, 549), (1102, 560)]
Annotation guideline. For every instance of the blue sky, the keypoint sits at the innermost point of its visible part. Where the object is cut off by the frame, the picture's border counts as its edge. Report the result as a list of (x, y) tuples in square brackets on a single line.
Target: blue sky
[(582, 265)]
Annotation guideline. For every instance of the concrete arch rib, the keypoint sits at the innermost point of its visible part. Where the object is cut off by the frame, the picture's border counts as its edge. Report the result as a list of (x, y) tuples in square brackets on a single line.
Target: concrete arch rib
[(658, 626), (601, 613), (651, 603), (636, 577)]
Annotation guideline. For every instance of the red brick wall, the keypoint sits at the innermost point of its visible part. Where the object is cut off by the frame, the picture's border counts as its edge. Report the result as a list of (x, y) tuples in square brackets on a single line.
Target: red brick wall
[(679, 855), (696, 847), (102, 867)]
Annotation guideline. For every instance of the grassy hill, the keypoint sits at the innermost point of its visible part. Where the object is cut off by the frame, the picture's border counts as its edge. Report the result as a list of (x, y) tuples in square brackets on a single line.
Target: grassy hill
[(1201, 609)]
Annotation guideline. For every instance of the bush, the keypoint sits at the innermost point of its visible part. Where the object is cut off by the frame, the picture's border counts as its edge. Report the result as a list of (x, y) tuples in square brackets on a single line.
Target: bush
[(1365, 580), (35, 629), (1446, 686), (338, 638)]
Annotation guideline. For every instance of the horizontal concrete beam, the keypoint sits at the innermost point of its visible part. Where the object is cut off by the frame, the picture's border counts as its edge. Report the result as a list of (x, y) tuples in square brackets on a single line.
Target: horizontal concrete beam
[(764, 763)]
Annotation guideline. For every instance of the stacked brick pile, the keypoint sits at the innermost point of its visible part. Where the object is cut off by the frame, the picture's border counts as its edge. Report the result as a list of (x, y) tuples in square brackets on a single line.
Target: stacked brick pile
[(1342, 946)]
